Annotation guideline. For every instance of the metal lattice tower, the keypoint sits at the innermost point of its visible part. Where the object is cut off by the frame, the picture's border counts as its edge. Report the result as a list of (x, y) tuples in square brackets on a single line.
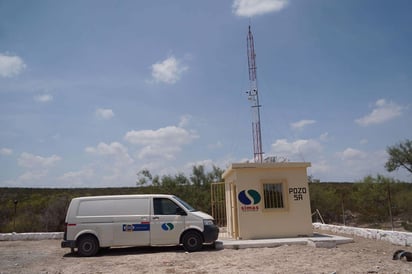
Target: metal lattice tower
[(253, 97)]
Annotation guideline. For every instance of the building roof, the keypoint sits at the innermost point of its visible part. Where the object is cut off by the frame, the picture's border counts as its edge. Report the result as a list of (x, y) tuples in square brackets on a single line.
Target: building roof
[(279, 165)]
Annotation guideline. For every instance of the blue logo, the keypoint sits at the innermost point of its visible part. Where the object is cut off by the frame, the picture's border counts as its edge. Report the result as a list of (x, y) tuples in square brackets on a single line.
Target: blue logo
[(167, 226), (249, 197), (143, 226)]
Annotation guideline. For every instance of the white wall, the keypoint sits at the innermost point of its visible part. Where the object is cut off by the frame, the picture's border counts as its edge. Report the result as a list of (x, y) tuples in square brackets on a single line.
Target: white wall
[(30, 236), (394, 237)]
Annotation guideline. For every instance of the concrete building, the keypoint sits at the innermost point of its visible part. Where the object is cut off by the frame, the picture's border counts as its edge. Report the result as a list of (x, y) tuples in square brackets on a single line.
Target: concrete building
[(267, 200)]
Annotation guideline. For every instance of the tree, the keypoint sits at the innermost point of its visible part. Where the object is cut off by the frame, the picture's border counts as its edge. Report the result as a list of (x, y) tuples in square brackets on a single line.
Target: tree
[(312, 180), (198, 177), (215, 175), (370, 200), (143, 177), (400, 155)]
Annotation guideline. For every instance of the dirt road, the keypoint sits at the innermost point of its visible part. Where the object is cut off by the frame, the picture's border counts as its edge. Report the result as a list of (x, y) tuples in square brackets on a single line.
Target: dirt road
[(363, 256)]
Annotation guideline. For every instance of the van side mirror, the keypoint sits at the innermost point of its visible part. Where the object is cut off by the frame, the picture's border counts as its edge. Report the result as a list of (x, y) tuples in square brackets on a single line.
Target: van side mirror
[(180, 211)]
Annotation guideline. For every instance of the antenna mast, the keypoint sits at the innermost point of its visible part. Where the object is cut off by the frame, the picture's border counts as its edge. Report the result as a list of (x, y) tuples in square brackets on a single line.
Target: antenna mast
[(253, 97)]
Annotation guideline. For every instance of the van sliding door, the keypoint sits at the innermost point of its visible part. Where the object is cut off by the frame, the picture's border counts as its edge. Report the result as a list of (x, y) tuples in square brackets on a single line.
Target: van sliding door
[(132, 221)]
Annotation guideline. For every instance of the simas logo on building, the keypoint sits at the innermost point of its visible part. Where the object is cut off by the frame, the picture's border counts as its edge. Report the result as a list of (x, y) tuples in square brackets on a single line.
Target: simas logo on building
[(250, 199), (167, 226)]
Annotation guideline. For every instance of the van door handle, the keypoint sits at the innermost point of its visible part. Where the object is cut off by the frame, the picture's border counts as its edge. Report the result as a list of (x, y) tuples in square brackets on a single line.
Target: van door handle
[(155, 218)]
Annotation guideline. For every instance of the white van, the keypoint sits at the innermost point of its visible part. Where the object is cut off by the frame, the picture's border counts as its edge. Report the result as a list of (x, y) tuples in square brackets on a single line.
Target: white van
[(135, 220)]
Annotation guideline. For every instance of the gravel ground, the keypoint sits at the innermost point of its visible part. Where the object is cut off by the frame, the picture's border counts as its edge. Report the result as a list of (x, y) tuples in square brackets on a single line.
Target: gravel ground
[(46, 256)]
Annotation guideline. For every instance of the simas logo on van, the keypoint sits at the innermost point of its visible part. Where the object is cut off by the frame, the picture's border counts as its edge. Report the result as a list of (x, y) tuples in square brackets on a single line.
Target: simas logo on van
[(167, 226)]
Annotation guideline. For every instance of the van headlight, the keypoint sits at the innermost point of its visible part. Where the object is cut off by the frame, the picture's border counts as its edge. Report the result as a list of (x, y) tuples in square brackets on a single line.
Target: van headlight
[(208, 222)]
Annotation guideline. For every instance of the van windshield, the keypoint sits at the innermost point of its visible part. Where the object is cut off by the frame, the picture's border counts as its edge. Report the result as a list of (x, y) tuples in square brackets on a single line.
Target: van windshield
[(186, 205)]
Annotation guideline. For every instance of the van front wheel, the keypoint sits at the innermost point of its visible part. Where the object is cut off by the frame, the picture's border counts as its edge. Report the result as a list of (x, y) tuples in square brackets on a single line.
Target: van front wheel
[(192, 241), (87, 246)]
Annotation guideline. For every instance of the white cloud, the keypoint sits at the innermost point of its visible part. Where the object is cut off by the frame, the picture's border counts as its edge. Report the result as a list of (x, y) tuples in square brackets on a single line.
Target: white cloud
[(112, 167), (184, 120), (167, 135), (350, 154), (207, 165), (321, 167), (216, 145), (168, 71), (301, 124), (355, 164), (163, 142), (249, 8), (31, 161), (33, 175), (301, 149), (77, 177), (11, 65), (104, 113), (43, 98), (159, 151), (364, 141), (324, 137), (383, 112), (115, 149), (328, 164), (37, 167), (6, 151)]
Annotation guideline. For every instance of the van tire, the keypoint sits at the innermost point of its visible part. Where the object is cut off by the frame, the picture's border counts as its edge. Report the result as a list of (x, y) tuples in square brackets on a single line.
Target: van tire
[(87, 246), (192, 241)]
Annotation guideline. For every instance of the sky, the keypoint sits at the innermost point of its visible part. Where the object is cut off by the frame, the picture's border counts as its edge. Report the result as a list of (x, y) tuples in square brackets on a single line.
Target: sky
[(92, 92)]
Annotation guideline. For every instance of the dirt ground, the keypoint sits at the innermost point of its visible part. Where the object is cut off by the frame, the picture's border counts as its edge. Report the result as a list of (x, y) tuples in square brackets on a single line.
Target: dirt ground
[(362, 256)]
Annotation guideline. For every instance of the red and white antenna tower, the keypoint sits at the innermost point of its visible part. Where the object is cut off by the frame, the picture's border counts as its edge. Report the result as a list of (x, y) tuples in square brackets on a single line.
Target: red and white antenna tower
[(253, 97)]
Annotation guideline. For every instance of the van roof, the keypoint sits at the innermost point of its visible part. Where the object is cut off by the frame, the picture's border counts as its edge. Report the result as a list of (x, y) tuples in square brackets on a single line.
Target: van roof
[(123, 196)]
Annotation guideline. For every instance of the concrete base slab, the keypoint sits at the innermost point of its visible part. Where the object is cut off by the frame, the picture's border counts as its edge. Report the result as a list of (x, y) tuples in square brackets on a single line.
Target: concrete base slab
[(318, 240), (323, 244)]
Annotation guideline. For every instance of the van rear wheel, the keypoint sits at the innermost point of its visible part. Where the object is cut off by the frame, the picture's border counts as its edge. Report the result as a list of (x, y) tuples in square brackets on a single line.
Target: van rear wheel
[(192, 241), (87, 246)]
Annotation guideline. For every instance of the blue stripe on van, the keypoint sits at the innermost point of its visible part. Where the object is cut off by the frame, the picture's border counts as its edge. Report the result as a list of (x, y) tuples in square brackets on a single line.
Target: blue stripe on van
[(136, 227)]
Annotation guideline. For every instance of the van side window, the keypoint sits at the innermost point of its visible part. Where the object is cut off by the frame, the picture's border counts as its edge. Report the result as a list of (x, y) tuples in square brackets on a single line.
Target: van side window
[(164, 206)]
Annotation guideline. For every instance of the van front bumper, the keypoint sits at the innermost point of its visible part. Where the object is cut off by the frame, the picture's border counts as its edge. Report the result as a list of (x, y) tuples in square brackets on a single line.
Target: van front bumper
[(70, 244), (210, 233)]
